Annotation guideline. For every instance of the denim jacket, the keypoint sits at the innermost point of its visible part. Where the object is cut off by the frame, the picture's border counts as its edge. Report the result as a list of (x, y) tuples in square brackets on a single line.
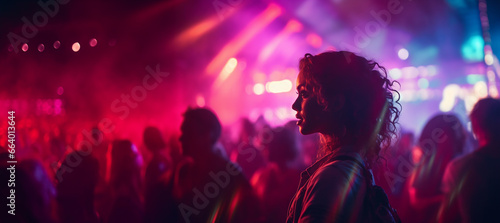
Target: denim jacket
[(330, 191)]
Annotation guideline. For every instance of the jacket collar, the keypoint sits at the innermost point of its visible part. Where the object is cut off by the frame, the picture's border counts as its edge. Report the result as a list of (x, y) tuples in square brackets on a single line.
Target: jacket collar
[(342, 151)]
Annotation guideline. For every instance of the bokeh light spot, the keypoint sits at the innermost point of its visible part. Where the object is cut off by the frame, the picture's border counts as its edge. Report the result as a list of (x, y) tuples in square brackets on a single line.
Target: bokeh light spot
[(76, 47), (403, 54), (25, 47), (93, 42)]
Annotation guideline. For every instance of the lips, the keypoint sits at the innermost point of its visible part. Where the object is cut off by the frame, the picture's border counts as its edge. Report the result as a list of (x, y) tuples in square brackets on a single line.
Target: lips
[(300, 119)]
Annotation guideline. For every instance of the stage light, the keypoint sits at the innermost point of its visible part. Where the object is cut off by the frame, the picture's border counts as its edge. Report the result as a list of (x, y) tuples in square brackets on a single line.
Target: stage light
[(25, 47), (403, 54), (409, 72), (279, 86), (41, 47), (314, 40), (230, 65), (75, 47), (239, 41), (469, 102), (488, 59), (57, 44), (200, 100), (473, 48), (450, 92), (423, 83), (395, 73), (493, 91), (480, 89), (291, 27), (422, 71), (93, 42), (474, 78), (258, 89), (226, 71)]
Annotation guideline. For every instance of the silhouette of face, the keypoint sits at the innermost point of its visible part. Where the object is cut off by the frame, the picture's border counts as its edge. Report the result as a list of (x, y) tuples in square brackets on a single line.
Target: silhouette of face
[(187, 138), (192, 140), (311, 115)]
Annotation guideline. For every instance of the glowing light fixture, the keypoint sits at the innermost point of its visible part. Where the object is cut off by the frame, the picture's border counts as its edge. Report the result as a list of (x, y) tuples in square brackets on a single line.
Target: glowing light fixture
[(258, 89), (403, 54), (423, 83), (481, 89), (200, 101), (226, 71), (488, 59), (279, 86), (25, 47), (291, 27), (75, 47), (474, 78), (236, 44), (450, 92), (314, 40), (395, 73), (93, 42)]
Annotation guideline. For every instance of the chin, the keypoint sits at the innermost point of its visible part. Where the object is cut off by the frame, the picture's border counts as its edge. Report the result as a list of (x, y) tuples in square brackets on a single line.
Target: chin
[(304, 130)]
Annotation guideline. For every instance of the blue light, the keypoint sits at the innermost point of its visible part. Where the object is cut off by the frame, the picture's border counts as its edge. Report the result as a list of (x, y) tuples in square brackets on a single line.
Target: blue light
[(473, 49)]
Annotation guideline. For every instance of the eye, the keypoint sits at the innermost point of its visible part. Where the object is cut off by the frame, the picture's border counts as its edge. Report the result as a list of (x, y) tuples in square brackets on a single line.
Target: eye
[(303, 93)]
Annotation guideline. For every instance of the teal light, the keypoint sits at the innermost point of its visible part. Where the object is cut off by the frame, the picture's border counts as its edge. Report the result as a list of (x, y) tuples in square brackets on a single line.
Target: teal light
[(459, 4), (473, 49), (423, 83), (474, 78)]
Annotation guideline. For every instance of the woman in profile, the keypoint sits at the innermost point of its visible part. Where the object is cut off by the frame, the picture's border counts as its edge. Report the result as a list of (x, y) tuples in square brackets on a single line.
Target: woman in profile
[(349, 101)]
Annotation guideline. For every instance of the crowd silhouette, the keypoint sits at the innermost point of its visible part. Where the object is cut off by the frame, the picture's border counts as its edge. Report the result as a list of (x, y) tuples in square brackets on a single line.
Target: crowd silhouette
[(205, 175)]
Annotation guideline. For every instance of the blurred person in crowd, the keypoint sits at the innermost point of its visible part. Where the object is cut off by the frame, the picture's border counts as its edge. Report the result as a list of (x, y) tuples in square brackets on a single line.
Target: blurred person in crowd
[(348, 100), (34, 192), (154, 142), (245, 153), (209, 188), (472, 183), (95, 139), (158, 166), (442, 139), (393, 172), (276, 183), (125, 182), (77, 178)]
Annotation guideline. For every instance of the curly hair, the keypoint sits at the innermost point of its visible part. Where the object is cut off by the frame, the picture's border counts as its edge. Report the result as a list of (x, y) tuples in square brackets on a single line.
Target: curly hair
[(370, 112)]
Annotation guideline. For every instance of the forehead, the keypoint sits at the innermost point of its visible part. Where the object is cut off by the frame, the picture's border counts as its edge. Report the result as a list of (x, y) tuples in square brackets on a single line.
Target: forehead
[(301, 81)]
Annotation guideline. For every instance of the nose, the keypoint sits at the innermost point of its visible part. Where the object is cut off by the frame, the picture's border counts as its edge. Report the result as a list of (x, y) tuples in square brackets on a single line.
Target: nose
[(296, 104)]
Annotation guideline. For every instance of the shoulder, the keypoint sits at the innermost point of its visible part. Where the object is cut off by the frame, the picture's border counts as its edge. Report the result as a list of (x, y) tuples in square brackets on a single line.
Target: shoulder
[(459, 163), (337, 174), (454, 171)]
